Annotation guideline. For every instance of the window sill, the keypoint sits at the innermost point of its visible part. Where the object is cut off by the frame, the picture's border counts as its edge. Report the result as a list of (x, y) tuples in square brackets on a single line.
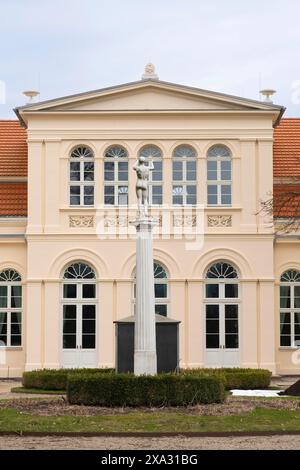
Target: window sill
[(225, 208), (11, 348), (77, 208), (288, 348)]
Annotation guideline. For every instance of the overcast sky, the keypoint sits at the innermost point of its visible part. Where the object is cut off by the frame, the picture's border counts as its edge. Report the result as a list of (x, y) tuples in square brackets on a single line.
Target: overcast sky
[(68, 46)]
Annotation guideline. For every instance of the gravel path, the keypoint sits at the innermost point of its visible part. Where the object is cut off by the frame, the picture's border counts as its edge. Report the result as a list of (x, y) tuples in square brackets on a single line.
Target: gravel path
[(163, 443)]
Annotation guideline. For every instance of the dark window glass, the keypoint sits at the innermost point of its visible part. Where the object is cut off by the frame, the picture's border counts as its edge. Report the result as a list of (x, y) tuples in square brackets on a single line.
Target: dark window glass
[(88, 312), (160, 290), (212, 311), (212, 341), (70, 291), (69, 312), (161, 309), (231, 291), (285, 297), (3, 296), (88, 341), (231, 312), (285, 340), (69, 341), (88, 291), (231, 341), (212, 290), (88, 326), (15, 340)]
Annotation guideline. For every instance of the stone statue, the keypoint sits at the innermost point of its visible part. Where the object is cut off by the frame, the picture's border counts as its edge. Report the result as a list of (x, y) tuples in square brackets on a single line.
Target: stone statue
[(142, 173)]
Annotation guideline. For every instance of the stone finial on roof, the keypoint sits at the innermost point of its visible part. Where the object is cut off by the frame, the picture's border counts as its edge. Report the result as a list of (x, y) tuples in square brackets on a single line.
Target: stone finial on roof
[(149, 72)]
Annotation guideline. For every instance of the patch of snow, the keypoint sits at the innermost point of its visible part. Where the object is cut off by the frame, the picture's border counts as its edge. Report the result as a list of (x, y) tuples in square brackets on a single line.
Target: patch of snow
[(256, 393)]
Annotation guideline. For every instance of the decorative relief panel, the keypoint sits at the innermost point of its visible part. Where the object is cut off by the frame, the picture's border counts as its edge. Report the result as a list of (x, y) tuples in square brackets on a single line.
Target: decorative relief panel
[(219, 220), (81, 221), (116, 221), (184, 221)]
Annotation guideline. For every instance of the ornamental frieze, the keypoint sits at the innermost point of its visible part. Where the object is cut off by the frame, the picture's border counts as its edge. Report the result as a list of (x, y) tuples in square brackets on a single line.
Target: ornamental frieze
[(219, 220)]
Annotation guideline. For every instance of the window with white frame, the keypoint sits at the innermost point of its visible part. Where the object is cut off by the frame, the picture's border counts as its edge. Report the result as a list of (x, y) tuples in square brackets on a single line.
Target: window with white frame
[(221, 306), (290, 308), (79, 307), (116, 176), (219, 176), (10, 308), (184, 175), (155, 188), (160, 289), (81, 176)]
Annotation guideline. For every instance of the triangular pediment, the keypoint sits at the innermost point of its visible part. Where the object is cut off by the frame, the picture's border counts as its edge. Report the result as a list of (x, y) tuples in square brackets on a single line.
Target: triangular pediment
[(151, 98), (148, 95)]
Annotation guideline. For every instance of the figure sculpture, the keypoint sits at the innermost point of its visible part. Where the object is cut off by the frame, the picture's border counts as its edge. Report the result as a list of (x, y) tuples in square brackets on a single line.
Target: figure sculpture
[(143, 174)]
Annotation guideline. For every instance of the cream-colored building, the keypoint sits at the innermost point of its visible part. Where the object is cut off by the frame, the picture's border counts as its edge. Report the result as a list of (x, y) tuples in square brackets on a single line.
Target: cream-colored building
[(67, 263)]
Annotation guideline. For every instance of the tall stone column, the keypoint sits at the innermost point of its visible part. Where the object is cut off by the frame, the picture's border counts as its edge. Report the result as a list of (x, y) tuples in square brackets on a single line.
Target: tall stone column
[(145, 361)]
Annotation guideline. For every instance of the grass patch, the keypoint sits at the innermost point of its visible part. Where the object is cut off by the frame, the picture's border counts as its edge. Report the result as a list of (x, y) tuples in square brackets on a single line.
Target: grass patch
[(38, 391), (258, 420)]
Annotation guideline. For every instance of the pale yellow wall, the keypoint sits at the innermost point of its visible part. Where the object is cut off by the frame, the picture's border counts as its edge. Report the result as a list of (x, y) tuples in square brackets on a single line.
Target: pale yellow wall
[(287, 256), (13, 255), (52, 243)]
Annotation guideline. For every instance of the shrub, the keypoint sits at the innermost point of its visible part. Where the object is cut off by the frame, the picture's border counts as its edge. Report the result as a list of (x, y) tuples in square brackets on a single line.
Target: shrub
[(245, 379), (54, 379), (130, 390)]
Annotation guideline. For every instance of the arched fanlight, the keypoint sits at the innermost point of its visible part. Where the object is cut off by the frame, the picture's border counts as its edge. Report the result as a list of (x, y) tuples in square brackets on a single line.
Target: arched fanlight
[(219, 151), (82, 151), (221, 270), (292, 275), (151, 152), (10, 275), (79, 271), (116, 152), (159, 271), (184, 151)]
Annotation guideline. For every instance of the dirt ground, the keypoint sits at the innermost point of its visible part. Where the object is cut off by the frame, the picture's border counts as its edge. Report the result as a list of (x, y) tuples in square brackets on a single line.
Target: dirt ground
[(236, 406), (291, 442), (58, 406)]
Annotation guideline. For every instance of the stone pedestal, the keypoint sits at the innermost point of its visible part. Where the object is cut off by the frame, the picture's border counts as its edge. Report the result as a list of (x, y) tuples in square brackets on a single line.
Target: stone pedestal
[(145, 362)]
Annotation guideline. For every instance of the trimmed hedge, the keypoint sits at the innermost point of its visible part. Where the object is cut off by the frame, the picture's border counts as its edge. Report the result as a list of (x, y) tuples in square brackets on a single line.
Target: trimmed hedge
[(52, 379), (55, 379), (237, 378), (130, 390)]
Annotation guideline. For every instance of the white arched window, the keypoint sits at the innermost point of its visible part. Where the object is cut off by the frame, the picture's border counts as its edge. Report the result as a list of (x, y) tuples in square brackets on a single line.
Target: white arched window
[(79, 309), (116, 176), (219, 176), (81, 176), (290, 308), (160, 289), (10, 308), (184, 175), (155, 189), (221, 307)]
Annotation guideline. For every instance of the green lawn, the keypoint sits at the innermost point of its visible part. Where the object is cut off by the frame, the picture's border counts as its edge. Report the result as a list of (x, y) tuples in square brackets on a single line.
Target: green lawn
[(259, 420), (37, 391)]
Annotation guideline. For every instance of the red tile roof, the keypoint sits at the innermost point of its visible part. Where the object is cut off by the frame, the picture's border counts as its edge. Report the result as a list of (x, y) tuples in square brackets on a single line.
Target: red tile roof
[(286, 161), (286, 200), (13, 199), (13, 149)]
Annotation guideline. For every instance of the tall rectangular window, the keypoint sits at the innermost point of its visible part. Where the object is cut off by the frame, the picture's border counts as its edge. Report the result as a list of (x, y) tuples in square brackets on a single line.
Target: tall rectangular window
[(81, 178), (116, 176)]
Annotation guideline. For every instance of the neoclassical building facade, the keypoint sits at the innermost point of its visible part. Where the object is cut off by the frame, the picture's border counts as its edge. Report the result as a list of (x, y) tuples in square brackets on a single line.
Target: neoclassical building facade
[(67, 249)]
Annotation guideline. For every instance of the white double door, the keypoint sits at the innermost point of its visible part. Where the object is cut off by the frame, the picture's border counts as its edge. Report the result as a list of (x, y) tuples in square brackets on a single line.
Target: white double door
[(79, 335), (222, 348)]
